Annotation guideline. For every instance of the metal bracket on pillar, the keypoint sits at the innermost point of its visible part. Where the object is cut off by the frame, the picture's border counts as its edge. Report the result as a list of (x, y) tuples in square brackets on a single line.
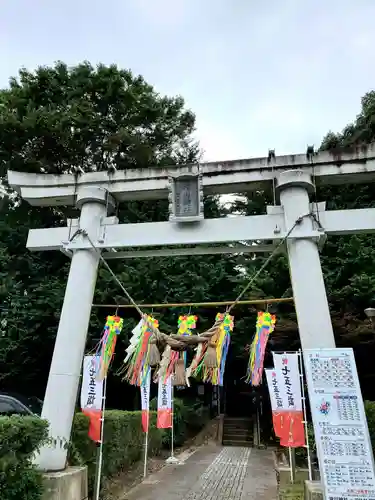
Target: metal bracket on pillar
[(317, 235), (73, 225), (68, 246), (316, 209), (104, 222)]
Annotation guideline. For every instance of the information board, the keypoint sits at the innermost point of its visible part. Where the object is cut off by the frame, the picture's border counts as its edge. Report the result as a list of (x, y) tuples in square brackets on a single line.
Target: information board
[(342, 438)]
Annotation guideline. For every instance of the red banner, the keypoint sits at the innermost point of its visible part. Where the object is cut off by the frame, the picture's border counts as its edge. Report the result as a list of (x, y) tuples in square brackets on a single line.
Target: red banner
[(285, 393), (164, 420)]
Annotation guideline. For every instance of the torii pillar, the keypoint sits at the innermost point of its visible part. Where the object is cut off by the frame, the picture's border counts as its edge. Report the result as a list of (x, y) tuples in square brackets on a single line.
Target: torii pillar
[(66, 366), (310, 297)]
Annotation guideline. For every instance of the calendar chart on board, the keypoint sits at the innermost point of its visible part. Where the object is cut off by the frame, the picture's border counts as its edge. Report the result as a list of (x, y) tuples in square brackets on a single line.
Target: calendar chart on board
[(341, 433)]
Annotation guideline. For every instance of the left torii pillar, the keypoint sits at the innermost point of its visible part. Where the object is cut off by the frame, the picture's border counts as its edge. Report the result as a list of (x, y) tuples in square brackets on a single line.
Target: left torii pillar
[(64, 376)]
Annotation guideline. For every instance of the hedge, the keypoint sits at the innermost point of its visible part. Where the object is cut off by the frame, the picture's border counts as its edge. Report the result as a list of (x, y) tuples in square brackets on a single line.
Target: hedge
[(123, 442), (20, 437)]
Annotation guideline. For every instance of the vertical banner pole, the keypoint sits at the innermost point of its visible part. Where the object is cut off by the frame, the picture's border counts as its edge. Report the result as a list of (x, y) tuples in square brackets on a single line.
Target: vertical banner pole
[(145, 398), (292, 463), (172, 459), (99, 461), (146, 454), (305, 414), (172, 429)]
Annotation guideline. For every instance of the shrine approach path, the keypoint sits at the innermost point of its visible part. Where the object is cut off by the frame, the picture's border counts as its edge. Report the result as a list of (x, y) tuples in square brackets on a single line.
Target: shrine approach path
[(212, 473)]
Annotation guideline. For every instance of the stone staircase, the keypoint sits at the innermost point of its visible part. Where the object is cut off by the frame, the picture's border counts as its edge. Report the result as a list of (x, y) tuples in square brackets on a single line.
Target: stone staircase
[(237, 432)]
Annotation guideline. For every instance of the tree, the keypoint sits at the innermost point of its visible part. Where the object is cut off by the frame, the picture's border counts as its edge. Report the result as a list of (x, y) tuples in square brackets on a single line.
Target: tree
[(349, 260), (57, 118)]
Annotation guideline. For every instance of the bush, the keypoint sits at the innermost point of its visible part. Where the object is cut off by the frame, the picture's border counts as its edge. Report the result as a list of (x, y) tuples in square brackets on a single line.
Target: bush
[(123, 442), (20, 438)]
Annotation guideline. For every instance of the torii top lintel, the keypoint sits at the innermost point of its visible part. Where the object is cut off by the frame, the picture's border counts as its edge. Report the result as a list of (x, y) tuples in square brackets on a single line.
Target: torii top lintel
[(356, 165)]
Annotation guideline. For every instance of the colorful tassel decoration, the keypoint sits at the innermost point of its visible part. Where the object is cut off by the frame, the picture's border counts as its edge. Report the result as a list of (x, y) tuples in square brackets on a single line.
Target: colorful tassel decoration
[(264, 327), (107, 344), (137, 360), (173, 362), (186, 325), (209, 361)]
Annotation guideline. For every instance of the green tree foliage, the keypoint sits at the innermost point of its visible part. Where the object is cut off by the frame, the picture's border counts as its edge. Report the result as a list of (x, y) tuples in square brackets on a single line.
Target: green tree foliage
[(349, 260), (57, 118)]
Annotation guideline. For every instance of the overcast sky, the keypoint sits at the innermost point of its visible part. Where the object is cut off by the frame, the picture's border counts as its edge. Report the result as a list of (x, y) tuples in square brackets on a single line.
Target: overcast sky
[(259, 74)]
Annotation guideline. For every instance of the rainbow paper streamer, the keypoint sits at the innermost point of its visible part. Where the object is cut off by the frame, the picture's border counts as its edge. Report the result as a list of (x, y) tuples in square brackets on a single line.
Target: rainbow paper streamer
[(215, 375), (186, 325), (137, 360), (264, 327), (107, 344)]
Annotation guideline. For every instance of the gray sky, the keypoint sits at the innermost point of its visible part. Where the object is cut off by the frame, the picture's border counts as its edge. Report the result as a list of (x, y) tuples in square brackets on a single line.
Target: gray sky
[(258, 74)]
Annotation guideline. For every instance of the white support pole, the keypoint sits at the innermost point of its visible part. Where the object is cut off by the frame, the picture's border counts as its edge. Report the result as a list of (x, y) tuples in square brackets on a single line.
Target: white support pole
[(172, 429), (146, 452), (300, 368), (310, 298), (61, 393), (292, 464), (172, 459), (99, 465)]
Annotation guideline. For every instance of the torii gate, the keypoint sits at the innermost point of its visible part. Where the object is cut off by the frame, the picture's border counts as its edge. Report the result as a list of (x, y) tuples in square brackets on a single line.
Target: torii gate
[(96, 194)]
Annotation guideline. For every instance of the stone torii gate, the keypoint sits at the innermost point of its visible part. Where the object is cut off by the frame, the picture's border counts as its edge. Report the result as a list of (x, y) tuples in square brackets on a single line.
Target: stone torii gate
[(96, 195)]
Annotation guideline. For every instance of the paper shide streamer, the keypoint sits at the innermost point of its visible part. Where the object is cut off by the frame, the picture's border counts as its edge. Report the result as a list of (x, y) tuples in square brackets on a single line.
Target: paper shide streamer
[(265, 325), (138, 359)]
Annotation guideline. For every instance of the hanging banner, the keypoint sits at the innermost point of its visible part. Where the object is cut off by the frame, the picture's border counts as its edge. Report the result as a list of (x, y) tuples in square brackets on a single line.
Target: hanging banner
[(341, 432), (287, 369), (164, 420), (278, 403), (92, 396), (145, 401)]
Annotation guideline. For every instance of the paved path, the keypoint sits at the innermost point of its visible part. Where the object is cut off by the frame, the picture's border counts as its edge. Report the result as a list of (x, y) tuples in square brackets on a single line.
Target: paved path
[(213, 473)]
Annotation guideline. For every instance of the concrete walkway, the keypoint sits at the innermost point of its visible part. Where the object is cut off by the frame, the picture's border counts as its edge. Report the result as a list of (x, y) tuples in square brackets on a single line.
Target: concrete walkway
[(213, 473)]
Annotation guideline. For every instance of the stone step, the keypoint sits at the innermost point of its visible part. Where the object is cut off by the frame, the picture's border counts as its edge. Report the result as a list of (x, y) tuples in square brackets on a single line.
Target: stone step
[(239, 426), (235, 435), (237, 420), (238, 438), (238, 429), (244, 444), (235, 427)]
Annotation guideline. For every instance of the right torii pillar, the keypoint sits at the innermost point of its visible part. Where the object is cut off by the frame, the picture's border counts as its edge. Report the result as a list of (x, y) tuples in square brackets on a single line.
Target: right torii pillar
[(310, 298)]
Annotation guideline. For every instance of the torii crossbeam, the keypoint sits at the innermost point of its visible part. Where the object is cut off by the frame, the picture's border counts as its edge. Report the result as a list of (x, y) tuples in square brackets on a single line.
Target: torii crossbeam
[(96, 195)]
